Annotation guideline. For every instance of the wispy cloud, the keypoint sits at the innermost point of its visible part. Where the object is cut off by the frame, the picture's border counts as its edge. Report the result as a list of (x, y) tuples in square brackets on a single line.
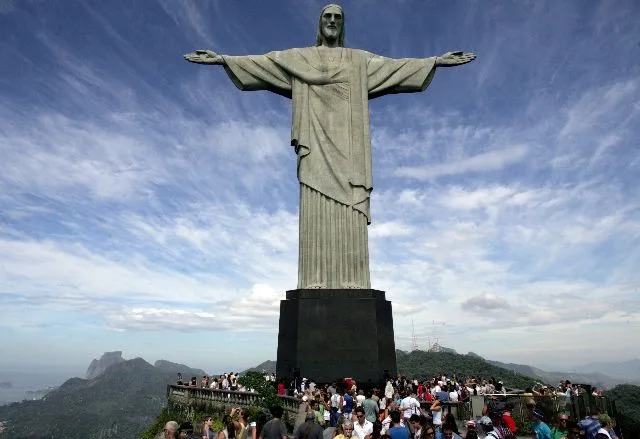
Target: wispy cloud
[(141, 195), (485, 162)]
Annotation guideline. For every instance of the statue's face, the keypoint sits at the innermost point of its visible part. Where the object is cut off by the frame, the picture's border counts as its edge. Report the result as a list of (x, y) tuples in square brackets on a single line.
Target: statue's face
[(331, 23)]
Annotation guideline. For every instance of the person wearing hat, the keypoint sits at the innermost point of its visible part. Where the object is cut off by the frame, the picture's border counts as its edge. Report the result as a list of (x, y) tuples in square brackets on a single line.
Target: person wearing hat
[(539, 428), (591, 425), (487, 426), (472, 433)]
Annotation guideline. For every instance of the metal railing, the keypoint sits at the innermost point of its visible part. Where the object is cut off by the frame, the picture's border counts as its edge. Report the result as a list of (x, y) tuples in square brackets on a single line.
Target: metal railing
[(186, 395)]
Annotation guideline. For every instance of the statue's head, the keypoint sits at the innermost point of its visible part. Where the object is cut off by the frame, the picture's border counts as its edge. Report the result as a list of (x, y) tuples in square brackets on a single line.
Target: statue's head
[(331, 26)]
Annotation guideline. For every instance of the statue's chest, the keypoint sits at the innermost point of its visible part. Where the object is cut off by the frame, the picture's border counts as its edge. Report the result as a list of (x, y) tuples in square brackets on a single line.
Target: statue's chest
[(331, 59)]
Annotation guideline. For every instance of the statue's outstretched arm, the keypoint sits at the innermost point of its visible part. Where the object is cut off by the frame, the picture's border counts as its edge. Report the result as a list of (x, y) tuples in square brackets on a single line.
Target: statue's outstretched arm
[(452, 59), (204, 57)]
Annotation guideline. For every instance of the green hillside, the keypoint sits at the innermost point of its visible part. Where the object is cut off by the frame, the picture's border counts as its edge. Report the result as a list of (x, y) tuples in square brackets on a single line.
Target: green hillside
[(120, 403), (267, 366), (429, 364), (627, 398)]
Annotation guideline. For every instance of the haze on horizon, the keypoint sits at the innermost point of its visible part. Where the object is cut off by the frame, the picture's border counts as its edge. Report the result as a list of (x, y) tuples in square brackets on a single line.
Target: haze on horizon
[(148, 206)]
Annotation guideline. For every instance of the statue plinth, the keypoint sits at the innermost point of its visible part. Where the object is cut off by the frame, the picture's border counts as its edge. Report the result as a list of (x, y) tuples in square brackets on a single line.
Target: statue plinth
[(329, 334)]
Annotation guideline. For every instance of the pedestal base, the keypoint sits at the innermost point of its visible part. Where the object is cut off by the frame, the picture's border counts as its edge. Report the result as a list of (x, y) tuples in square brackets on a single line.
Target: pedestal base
[(326, 335)]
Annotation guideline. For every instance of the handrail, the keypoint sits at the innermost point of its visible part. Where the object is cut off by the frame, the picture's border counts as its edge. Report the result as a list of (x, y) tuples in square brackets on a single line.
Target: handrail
[(186, 394)]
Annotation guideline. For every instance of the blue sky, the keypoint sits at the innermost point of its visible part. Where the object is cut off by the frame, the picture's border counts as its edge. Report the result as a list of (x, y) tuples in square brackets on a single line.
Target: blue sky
[(147, 205)]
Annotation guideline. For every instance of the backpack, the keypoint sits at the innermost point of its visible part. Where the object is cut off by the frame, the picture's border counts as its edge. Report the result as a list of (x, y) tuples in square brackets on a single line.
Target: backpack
[(335, 401)]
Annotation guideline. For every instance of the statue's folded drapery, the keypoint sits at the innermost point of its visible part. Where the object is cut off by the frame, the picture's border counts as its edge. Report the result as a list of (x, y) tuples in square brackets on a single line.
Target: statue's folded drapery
[(330, 89)]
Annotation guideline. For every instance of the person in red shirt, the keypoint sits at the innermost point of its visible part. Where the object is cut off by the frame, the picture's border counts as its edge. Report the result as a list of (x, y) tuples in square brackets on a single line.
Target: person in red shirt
[(509, 422), (281, 389), (348, 382)]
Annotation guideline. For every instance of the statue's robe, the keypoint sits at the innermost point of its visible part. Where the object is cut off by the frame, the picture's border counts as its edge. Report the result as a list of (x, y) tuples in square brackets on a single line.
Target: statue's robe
[(330, 89)]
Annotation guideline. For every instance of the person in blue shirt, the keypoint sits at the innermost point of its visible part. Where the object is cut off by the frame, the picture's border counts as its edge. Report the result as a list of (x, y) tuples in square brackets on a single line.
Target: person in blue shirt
[(540, 429), (591, 425), (448, 432), (443, 394), (397, 431), (347, 407)]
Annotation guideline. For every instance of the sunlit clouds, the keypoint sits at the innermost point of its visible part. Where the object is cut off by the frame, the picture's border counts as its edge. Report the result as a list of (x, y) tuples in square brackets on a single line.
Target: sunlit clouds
[(147, 202)]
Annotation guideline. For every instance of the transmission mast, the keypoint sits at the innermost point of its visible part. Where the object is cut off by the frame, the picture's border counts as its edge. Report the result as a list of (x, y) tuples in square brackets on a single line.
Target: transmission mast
[(414, 339), (433, 340)]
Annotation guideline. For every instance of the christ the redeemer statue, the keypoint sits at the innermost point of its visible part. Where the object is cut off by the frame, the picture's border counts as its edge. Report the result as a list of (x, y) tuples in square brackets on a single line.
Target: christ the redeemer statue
[(330, 87)]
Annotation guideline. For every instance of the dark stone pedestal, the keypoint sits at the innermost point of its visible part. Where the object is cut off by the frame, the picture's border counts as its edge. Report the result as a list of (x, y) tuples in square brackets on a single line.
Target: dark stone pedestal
[(326, 335)]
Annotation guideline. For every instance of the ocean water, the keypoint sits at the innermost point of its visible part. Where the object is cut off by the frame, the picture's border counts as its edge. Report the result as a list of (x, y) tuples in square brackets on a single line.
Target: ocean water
[(23, 382)]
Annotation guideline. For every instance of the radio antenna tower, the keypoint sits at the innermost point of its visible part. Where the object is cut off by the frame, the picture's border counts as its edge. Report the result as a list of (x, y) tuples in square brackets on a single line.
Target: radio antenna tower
[(414, 339), (435, 337)]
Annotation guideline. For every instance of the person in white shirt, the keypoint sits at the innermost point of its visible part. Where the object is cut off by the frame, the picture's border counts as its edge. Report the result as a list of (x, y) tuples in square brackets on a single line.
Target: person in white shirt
[(362, 428), (360, 398), (336, 403), (388, 390), (386, 422), (382, 404), (409, 406), (436, 413)]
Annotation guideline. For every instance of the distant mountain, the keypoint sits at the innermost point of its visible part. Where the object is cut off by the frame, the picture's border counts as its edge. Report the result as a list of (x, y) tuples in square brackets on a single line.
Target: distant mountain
[(119, 403), (97, 367), (627, 371), (430, 364), (554, 378), (176, 368), (267, 366)]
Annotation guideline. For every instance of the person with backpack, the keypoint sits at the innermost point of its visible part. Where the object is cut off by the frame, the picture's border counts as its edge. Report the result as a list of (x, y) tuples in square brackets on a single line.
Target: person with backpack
[(347, 405), (336, 402)]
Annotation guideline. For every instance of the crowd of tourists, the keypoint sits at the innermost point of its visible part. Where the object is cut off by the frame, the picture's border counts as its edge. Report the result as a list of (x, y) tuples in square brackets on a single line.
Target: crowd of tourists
[(236, 425), (410, 409), (226, 381)]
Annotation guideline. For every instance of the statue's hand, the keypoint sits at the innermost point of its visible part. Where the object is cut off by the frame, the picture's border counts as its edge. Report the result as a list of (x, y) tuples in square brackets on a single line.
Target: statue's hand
[(451, 59), (204, 57)]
